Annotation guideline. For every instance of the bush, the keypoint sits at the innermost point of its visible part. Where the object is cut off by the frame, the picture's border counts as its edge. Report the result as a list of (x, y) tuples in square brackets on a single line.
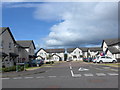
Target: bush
[(26, 65), (7, 69), (13, 68), (20, 68)]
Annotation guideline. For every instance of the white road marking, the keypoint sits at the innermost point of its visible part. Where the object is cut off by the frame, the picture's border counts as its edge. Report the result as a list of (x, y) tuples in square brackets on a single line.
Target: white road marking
[(5, 78), (113, 74), (83, 69), (28, 77), (40, 77), (77, 75), (99, 69), (17, 78), (70, 67), (72, 73), (100, 74), (89, 74), (51, 76)]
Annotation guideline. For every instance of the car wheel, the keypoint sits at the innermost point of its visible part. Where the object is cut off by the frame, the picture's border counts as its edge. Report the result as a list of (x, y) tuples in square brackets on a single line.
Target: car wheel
[(114, 61), (100, 61)]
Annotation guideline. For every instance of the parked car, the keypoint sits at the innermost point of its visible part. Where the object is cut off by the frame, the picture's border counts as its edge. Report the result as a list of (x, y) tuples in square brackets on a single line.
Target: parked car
[(102, 59), (48, 61), (87, 59), (38, 62)]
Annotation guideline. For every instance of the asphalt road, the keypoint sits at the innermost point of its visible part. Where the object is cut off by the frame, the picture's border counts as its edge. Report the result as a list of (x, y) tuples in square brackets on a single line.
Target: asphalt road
[(67, 75)]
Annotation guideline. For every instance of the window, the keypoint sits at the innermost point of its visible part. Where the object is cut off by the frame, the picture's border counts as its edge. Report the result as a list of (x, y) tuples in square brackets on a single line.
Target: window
[(1, 44), (10, 45), (102, 57), (109, 57), (41, 53)]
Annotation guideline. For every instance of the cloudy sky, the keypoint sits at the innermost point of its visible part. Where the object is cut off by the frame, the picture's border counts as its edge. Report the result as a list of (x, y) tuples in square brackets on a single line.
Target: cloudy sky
[(63, 24)]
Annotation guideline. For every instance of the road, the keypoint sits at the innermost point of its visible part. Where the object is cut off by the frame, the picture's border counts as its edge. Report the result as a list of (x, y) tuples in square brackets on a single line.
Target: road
[(67, 75)]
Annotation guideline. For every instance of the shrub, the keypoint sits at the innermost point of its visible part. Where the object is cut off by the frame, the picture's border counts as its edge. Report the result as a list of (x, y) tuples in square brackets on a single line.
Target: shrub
[(7, 69), (26, 65), (20, 68)]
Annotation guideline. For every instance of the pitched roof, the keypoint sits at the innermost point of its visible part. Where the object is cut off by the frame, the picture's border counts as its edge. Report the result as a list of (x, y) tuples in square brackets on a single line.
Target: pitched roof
[(113, 50), (111, 42), (7, 29), (84, 49), (26, 43), (95, 49), (56, 55), (52, 50), (55, 50), (69, 50)]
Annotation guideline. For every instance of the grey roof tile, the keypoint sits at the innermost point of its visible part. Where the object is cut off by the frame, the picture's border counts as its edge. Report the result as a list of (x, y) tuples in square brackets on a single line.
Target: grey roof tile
[(25, 43), (110, 42), (114, 50)]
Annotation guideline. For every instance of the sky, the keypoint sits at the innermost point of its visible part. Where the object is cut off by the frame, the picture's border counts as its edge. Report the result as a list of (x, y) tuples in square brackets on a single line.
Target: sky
[(62, 24)]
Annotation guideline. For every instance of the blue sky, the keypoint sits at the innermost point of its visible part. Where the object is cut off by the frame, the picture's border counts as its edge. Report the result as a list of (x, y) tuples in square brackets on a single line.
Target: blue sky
[(59, 25)]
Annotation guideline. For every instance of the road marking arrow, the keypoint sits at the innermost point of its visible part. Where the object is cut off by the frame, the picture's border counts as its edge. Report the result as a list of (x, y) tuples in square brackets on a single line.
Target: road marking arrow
[(83, 69)]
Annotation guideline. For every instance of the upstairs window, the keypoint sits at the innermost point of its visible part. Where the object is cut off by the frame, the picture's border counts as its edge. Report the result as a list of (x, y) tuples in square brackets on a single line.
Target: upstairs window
[(1, 44), (10, 45)]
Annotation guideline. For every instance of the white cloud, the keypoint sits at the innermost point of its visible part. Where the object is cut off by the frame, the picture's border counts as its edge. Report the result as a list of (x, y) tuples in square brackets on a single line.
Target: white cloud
[(78, 24), (81, 23)]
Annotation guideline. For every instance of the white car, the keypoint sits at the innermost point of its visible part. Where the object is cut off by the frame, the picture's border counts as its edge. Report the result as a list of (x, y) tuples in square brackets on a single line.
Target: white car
[(101, 59)]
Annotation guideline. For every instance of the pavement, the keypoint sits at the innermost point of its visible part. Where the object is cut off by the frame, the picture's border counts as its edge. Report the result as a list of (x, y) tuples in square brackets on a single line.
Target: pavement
[(65, 75)]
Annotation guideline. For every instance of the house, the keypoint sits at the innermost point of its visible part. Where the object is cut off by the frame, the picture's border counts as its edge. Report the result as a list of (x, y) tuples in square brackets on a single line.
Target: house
[(111, 48), (29, 46), (42, 54), (22, 54), (50, 53), (74, 54), (85, 51), (55, 57), (94, 51), (7, 47)]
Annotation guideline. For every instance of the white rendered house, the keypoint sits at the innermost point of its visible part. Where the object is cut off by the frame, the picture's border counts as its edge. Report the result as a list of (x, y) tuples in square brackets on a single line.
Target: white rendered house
[(94, 51), (75, 54), (111, 48), (50, 53)]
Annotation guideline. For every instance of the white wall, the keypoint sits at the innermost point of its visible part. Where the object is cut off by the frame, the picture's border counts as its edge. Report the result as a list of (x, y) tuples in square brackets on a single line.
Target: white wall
[(43, 54), (77, 52), (55, 58), (104, 47)]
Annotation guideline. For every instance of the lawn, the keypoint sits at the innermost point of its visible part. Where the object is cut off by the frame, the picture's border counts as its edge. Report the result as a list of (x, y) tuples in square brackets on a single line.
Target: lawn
[(112, 64), (32, 68)]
